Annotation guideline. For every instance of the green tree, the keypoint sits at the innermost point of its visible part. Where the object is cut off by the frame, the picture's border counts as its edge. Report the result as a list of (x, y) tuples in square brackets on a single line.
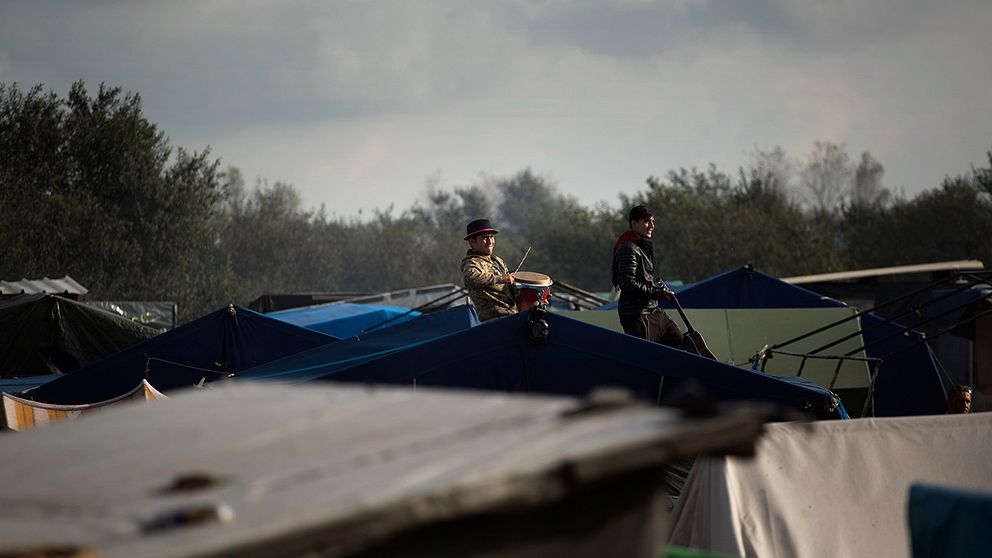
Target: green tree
[(951, 222), (92, 189)]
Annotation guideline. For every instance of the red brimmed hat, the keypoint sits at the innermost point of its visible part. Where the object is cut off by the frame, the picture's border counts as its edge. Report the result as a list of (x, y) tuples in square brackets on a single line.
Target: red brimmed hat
[(479, 226)]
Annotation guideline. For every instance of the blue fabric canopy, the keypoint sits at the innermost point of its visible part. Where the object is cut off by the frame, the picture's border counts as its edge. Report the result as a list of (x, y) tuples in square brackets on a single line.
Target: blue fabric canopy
[(908, 381), (576, 358), (949, 522), (15, 386), (325, 359), (345, 319), (223, 342)]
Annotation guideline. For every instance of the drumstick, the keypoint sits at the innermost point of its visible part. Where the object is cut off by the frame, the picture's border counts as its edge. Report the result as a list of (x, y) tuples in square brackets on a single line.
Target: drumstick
[(522, 260)]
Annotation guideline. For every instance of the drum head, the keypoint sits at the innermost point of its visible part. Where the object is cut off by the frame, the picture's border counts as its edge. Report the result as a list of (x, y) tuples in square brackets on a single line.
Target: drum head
[(532, 279)]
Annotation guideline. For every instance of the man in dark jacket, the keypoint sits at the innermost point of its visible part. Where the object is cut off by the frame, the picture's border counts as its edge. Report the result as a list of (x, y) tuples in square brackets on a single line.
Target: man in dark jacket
[(633, 275)]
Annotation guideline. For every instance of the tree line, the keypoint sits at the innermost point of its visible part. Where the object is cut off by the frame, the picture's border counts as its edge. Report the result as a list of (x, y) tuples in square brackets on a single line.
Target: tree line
[(90, 188)]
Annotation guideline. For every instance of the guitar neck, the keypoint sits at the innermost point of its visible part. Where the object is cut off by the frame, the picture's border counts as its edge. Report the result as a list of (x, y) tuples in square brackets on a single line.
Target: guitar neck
[(685, 318)]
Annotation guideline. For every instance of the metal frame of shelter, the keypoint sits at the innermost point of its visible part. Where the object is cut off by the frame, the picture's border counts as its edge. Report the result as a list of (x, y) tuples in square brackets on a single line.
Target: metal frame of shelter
[(961, 281)]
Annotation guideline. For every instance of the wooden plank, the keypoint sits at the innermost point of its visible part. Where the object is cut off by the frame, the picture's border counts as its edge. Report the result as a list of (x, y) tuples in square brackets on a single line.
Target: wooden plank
[(339, 468)]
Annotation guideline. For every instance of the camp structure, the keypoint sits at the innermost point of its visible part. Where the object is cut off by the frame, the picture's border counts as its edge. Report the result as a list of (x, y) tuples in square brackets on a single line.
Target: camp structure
[(205, 350), (907, 380), (831, 488), (43, 334), (278, 470), (948, 302), (322, 360), (15, 386), (160, 315), (948, 521), (344, 319), (66, 287), (547, 353), (424, 299), (23, 414)]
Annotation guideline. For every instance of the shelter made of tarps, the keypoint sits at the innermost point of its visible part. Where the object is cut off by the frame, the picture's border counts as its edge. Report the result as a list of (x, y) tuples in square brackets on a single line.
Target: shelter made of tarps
[(426, 299), (908, 381), (345, 319), (15, 386), (322, 360), (736, 335), (209, 348), (949, 522), (23, 414), (574, 359), (826, 489), (41, 334)]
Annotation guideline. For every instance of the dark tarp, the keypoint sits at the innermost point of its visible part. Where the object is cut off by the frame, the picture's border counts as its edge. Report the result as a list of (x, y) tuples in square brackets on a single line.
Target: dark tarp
[(908, 382), (15, 386), (322, 360), (158, 315), (223, 342), (949, 522), (39, 332), (576, 358)]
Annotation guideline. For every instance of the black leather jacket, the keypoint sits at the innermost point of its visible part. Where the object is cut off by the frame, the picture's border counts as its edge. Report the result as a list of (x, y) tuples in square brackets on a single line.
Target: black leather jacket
[(633, 274)]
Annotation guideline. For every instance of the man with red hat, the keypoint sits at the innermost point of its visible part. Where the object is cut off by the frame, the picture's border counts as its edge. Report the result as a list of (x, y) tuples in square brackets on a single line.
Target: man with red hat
[(488, 280)]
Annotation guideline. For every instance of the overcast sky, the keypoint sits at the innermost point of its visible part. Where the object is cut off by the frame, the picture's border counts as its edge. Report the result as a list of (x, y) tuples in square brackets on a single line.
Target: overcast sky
[(359, 104)]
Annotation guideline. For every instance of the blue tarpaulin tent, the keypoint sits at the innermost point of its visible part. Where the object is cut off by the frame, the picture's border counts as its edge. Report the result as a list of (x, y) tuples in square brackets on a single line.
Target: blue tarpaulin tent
[(576, 358), (322, 360), (949, 522), (15, 386), (345, 319), (223, 342), (908, 381)]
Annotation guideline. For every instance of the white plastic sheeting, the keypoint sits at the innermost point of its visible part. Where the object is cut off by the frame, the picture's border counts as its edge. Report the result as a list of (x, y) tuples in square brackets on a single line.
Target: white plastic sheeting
[(831, 488)]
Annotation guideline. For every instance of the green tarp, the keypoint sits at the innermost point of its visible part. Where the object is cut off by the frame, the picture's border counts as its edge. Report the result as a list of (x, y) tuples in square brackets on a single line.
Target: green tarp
[(736, 334), (45, 334)]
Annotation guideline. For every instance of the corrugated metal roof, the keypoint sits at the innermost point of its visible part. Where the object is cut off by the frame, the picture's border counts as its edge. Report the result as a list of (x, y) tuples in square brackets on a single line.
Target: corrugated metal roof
[(65, 285)]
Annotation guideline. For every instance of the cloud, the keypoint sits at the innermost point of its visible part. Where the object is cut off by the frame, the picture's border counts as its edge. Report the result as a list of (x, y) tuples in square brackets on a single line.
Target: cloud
[(356, 103)]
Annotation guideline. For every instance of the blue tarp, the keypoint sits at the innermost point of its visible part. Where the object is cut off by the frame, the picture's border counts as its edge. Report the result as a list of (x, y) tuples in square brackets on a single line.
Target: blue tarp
[(577, 357), (15, 386), (949, 522), (908, 382), (228, 340), (345, 319), (322, 360)]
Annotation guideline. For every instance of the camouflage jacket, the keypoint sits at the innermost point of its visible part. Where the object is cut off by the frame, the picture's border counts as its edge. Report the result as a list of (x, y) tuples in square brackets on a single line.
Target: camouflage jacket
[(491, 298)]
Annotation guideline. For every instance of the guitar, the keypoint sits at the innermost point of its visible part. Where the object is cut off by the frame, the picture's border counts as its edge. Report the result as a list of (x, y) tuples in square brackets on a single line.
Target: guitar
[(692, 340)]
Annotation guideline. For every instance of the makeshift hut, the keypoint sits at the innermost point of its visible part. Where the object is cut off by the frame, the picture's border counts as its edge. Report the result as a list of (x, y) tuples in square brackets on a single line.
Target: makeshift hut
[(549, 353), (43, 334), (826, 489), (908, 380), (345, 319), (207, 349), (322, 360)]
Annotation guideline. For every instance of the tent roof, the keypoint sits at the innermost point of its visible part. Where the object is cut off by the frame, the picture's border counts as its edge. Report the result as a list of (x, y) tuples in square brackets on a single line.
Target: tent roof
[(835, 488), (908, 381), (39, 332), (955, 265), (65, 285), (324, 359), (344, 319), (222, 342), (576, 358)]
